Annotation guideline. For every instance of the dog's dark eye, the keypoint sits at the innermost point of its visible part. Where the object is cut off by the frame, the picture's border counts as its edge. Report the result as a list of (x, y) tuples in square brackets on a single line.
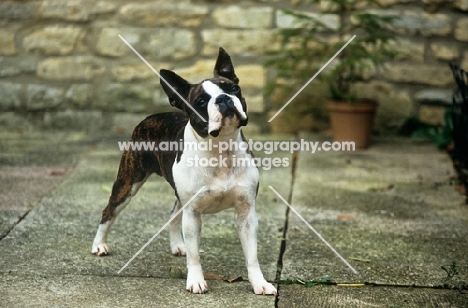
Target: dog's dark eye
[(201, 102), (235, 88)]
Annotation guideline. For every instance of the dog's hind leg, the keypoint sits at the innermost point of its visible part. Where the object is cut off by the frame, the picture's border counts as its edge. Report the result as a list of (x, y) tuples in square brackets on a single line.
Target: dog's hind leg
[(131, 176), (175, 231)]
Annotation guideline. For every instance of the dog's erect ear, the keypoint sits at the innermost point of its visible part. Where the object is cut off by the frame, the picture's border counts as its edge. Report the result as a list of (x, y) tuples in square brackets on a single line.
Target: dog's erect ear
[(178, 84), (224, 67)]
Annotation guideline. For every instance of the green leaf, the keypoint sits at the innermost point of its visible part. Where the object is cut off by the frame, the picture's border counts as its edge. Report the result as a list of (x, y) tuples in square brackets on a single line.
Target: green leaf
[(451, 270), (310, 283)]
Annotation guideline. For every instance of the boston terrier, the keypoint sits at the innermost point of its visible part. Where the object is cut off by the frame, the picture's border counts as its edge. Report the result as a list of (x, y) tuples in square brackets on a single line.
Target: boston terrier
[(212, 111)]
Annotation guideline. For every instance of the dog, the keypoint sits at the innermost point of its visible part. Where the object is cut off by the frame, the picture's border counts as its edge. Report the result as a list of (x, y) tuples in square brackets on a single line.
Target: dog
[(212, 111)]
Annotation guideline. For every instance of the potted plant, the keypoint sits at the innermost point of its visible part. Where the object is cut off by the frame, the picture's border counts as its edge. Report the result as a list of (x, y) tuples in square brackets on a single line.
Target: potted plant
[(314, 39)]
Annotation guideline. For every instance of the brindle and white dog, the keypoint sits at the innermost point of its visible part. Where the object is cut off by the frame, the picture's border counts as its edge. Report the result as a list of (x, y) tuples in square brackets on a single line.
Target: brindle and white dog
[(219, 101)]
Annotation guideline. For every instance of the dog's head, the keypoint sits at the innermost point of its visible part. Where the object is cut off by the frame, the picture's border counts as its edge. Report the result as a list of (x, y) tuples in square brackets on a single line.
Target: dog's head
[(215, 106)]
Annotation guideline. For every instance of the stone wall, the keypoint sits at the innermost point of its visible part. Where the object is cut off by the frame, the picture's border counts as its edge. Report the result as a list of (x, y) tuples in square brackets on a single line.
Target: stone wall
[(63, 66)]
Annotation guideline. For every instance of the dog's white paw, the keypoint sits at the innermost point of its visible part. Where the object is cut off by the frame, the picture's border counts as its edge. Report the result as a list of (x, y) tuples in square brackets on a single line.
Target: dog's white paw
[(100, 249), (264, 288), (197, 286), (196, 282), (178, 249)]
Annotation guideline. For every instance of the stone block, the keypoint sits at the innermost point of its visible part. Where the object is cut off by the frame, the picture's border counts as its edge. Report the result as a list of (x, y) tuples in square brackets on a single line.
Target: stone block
[(434, 96), (70, 68), (79, 95), (13, 121), (461, 30), (436, 75), (327, 6), (10, 66), (110, 44), (43, 97), (171, 43), (195, 73), (461, 4), (243, 17), (283, 20), (17, 10), (71, 10), (89, 121), (254, 99), (124, 123), (133, 72), (237, 42), (395, 107), (436, 24), (10, 96), (163, 13), (7, 47), (445, 51), (409, 49), (256, 103), (103, 7), (432, 115), (411, 23), (52, 40), (126, 97), (75, 10), (252, 75)]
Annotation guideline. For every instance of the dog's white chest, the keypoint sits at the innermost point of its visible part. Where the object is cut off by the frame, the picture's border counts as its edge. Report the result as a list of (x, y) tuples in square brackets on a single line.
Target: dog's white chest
[(218, 197), (225, 187), (229, 181)]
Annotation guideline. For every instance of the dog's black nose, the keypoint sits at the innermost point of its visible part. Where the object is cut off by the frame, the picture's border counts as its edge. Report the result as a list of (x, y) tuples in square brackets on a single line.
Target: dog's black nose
[(224, 99)]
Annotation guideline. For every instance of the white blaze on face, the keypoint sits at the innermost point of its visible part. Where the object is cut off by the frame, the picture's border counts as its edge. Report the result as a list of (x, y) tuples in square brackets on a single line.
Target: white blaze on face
[(215, 118)]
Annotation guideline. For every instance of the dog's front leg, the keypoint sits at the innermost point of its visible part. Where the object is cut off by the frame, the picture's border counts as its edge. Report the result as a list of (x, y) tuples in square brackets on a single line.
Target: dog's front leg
[(191, 226), (247, 224)]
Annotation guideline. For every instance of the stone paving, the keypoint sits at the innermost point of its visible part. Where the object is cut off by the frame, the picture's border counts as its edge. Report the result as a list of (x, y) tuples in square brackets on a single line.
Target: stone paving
[(390, 211)]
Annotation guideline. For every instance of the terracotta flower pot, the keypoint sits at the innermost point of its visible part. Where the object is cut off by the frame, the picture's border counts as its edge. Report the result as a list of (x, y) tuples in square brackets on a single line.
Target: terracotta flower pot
[(352, 121)]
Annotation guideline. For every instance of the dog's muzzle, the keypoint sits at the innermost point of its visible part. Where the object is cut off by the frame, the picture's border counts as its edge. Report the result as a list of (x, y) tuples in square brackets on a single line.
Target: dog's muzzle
[(228, 107)]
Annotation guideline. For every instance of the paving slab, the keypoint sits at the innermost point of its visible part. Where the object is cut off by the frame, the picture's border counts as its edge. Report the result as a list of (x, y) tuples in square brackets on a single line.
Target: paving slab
[(359, 297), (107, 291), (31, 165), (390, 211)]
